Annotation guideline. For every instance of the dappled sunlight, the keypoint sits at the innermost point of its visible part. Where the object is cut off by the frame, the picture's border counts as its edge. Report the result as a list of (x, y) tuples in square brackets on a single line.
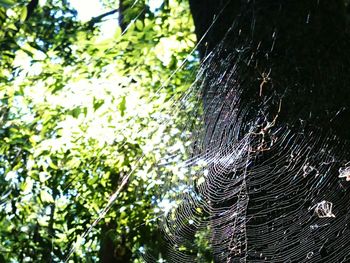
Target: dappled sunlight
[(91, 126)]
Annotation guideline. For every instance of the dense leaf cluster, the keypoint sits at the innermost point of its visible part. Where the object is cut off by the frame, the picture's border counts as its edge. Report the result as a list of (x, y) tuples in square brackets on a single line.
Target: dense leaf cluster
[(79, 113)]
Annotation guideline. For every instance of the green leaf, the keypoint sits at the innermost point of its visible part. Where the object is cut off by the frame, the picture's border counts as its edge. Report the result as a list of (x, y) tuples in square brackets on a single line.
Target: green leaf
[(52, 165), (46, 197), (76, 112), (97, 103), (6, 3), (12, 26), (28, 186), (24, 14), (139, 25), (122, 106), (118, 32), (43, 177)]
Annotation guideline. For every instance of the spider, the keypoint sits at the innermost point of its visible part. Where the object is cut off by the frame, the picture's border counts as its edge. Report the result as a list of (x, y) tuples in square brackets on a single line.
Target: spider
[(265, 78), (265, 130)]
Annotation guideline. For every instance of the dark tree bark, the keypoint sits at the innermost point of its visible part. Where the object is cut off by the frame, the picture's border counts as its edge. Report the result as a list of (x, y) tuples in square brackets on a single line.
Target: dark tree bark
[(299, 42), (279, 72), (113, 247)]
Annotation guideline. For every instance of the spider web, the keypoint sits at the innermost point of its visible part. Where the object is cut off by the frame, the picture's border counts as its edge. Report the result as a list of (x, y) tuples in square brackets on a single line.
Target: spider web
[(260, 187), (261, 183)]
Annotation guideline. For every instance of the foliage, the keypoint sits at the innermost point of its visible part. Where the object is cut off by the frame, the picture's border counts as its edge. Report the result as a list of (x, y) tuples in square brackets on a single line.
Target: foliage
[(79, 113)]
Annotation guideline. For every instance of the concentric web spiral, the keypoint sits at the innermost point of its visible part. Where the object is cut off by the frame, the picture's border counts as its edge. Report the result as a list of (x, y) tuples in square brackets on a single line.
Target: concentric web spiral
[(267, 178)]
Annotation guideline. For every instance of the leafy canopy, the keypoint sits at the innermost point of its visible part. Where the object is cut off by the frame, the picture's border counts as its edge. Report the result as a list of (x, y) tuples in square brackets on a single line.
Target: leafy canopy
[(78, 114)]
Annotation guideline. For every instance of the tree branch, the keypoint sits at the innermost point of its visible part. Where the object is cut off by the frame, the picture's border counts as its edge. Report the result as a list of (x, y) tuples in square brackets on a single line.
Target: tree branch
[(98, 19)]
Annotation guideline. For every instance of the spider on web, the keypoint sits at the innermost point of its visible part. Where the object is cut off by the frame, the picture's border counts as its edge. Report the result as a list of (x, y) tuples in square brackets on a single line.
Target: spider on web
[(264, 131), (265, 78)]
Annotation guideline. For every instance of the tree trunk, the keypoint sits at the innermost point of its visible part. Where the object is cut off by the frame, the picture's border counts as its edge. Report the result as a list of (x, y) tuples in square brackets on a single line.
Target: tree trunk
[(276, 80), (113, 247)]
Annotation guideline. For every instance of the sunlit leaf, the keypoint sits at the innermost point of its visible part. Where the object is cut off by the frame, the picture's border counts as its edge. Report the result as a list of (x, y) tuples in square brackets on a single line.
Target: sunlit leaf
[(28, 186), (46, 197), (122, 106), (81, 110), (139, 25), (24, 13)]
